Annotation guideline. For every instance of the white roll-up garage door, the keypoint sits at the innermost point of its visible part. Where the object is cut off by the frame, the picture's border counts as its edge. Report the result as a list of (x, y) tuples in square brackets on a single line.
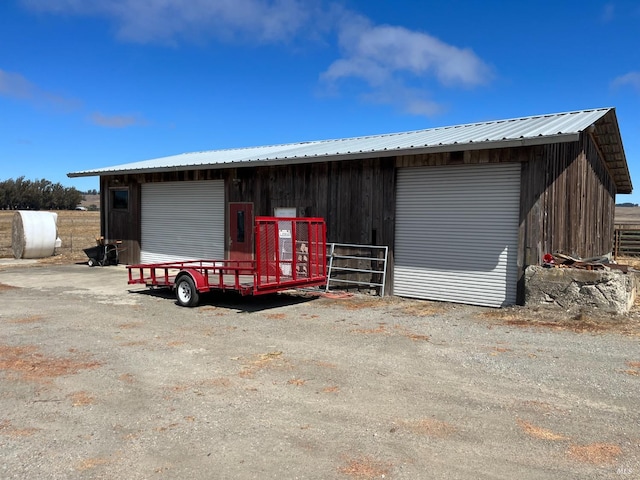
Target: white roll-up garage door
[(182, 221), (457, 233)]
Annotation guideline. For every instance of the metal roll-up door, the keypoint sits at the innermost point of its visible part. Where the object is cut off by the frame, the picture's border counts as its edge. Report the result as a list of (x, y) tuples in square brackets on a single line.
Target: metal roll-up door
[(457, 233), (182, 221)]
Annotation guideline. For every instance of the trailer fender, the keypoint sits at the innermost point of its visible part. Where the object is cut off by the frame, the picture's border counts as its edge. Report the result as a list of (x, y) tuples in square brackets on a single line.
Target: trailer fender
[(198, 279)]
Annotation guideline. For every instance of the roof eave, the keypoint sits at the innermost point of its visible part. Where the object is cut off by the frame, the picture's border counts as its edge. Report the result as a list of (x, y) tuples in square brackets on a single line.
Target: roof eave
[(609, 140), (384, 153)]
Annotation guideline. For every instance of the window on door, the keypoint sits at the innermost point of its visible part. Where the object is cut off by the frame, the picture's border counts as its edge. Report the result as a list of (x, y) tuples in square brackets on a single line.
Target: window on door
[(240, 226)]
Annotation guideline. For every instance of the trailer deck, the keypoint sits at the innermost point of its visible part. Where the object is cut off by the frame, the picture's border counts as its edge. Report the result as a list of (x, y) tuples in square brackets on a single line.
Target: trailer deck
[(288, 253)]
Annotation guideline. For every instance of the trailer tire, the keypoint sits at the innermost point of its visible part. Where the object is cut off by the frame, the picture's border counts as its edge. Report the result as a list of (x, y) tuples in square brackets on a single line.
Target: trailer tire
[(186, 292), (91, 262)]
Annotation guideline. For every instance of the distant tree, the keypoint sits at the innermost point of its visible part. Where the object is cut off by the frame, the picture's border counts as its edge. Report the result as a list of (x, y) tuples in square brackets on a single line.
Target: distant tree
[(36, 195), (57, 197), (7, 194), (72, 198), (626, 204)]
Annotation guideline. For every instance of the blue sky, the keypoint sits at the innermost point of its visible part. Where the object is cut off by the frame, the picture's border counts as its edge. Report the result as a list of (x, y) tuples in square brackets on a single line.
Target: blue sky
[(87, 84)]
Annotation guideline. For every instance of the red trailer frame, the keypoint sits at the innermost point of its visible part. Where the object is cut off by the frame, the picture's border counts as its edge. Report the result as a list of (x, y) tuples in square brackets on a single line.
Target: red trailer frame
[(288, 253)]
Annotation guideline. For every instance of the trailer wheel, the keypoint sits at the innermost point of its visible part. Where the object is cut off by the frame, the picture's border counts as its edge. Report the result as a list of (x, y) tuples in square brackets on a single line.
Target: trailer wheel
[(186, 292), (91, 262)]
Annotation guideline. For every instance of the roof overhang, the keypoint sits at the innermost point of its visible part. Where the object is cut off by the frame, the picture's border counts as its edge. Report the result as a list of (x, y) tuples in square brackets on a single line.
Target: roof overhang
[(327, 157), (606, 135), (601, 124)]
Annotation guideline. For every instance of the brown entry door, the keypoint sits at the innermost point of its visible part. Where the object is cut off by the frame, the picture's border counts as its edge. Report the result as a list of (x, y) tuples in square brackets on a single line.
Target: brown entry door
[(241, 231)]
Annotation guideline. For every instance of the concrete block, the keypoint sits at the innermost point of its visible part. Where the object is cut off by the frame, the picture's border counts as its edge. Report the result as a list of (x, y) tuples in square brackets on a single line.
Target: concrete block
[(576, 289)]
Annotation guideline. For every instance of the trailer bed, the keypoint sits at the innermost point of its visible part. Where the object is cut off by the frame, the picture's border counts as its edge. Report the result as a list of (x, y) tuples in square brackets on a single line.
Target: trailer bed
[(216, 274), (289, 253)]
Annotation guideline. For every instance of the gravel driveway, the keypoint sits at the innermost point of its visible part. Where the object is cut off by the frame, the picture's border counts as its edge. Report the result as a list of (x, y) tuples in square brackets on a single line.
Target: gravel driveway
[(100, 380)]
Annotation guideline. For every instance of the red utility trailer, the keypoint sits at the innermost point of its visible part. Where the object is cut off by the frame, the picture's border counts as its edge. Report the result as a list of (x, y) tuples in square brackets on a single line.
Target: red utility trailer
[(288, 253)]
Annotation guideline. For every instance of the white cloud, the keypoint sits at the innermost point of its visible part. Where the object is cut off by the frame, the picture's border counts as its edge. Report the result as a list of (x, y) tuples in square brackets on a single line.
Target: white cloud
[(631, 79), (15, 85), (396, 65), (392, 59), (374, 52), (169, 20)]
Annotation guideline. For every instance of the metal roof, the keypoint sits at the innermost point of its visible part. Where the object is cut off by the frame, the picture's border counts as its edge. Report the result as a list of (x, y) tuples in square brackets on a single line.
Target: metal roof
[(534, 130)]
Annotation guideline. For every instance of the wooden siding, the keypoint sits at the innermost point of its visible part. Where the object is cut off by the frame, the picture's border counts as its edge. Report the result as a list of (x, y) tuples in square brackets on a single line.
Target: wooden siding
[(126, 225), (567, 202), (356, 198), (567, 197), (466, 157)]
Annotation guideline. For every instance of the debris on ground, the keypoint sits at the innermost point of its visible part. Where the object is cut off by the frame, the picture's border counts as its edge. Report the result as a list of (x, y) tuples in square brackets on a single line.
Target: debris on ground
[(561, 260)]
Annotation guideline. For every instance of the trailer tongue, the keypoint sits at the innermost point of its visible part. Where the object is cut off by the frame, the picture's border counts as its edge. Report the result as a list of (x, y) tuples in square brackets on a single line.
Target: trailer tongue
[(288, 253)]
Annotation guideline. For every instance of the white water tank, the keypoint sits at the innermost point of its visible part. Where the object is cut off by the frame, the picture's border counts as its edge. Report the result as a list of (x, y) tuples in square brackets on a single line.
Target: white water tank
[(34, 234)]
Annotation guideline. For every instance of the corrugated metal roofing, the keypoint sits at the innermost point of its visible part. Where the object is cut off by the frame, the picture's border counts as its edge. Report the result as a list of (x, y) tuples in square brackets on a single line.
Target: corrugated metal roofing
[(534, 130)]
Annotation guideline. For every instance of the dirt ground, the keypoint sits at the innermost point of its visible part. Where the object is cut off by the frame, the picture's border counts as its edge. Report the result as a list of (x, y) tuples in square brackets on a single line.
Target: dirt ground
[(99, 380)]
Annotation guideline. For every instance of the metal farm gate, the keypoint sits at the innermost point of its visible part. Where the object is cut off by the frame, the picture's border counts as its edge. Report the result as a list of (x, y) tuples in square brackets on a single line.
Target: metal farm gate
[(626, 241)]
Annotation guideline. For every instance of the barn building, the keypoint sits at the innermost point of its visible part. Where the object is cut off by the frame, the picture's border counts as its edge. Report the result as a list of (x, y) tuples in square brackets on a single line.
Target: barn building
[(463, 209)]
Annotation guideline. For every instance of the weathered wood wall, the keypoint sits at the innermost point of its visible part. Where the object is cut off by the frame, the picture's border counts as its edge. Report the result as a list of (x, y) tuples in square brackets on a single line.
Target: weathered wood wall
[(126, 225), (356, 198), (466, 157), (567, 197), (567, 202)]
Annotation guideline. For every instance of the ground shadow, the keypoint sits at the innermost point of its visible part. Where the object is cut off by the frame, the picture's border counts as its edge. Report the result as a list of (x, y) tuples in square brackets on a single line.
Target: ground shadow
[(233, 300), (86, 263)]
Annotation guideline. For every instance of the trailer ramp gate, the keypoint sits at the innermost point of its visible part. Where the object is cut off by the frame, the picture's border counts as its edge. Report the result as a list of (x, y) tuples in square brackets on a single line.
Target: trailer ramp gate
[(290, 251)]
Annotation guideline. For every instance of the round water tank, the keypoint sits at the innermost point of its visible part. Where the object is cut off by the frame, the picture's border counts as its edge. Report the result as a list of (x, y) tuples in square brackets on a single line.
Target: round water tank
[(34, 234)]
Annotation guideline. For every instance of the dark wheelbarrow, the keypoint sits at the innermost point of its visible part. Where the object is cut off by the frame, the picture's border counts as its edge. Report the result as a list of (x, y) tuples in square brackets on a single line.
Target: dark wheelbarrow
[(105, 254)]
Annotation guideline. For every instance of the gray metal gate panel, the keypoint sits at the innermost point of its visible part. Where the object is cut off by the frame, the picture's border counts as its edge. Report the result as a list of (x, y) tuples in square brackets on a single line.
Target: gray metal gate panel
[(457, 233), (182, 221)]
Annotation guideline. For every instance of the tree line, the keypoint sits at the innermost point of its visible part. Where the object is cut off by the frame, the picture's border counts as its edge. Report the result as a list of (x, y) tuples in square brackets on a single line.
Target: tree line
[(22, 194)]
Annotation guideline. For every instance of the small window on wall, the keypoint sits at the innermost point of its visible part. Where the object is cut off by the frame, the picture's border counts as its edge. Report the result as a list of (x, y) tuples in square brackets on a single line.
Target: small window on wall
[(285, 212), (120, 199)]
